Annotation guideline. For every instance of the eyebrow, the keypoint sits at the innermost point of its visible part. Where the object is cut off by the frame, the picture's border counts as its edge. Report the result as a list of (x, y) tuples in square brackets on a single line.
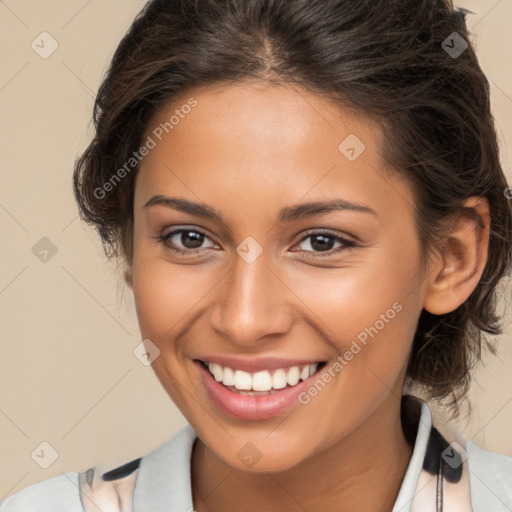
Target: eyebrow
[(287, 214)]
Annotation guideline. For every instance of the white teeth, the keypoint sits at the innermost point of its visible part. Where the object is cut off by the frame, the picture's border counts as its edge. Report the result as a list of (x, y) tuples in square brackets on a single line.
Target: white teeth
[(279, 380), (262, 381), (293, 375), (229, 377), (216, 370), (243, 380)]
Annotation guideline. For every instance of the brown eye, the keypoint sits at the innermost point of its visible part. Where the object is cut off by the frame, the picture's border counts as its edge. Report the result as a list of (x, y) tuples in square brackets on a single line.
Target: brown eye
[(185, 240), (324, 242)]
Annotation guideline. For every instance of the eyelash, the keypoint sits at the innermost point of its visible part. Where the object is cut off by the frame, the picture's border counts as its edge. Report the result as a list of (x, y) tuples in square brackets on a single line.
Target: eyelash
[(346, 244)]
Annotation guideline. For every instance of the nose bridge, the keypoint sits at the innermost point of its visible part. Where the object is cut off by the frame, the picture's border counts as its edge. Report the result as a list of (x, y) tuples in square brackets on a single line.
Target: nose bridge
[(251, 303)]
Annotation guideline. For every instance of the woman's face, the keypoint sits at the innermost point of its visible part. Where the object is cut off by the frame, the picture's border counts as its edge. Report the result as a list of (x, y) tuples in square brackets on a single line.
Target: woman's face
[(263, 278)]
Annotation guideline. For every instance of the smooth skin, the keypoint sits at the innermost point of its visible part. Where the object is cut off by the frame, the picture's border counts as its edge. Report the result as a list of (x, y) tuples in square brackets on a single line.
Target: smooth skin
[(249, 150)]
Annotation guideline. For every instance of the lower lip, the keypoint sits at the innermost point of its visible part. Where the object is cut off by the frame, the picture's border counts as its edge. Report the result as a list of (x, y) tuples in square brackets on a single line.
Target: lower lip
[(252, 407)]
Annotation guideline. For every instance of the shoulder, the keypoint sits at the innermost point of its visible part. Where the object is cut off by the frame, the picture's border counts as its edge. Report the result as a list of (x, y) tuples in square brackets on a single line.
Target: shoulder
[(53, 495), (112, 490), (490, 479)]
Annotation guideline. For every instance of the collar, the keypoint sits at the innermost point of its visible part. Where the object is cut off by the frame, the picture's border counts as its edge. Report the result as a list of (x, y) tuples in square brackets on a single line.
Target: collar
[(436, 479)]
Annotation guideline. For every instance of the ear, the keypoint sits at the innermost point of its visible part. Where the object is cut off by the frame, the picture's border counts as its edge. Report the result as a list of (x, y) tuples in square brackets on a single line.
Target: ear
[(457, 267)]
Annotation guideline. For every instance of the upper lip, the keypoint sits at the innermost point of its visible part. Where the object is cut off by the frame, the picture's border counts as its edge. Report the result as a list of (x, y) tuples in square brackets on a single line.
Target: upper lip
[(255, 365)]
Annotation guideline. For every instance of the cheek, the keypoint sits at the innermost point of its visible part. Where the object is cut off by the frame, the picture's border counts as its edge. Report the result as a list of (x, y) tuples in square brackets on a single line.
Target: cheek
[(367, 312), (166, 296), (348, 300)]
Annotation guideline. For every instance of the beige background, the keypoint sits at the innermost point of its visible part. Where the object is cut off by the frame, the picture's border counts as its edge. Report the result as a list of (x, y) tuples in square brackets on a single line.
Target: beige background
[(68, 328)]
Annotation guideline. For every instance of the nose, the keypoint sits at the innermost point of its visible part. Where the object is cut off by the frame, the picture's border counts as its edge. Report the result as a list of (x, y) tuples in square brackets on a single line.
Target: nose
[(251, 303)]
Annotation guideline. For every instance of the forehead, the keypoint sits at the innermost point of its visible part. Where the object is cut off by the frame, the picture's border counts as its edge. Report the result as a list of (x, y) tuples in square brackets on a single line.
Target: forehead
[(241, 144), (266, 116)]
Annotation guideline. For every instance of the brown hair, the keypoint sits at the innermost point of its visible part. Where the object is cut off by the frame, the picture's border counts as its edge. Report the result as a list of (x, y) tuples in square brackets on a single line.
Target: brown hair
[(387, 58)]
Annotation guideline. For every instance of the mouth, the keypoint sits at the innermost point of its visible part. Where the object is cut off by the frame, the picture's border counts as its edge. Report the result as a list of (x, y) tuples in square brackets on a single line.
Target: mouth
[(257, 395), (263, 382)]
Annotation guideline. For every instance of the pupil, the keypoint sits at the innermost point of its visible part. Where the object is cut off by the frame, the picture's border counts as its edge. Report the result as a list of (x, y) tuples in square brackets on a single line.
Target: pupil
[(325, 245), (197, 239)]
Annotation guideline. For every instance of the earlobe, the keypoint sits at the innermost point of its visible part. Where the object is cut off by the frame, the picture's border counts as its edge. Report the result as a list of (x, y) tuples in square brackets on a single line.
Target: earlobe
[(457, 267)]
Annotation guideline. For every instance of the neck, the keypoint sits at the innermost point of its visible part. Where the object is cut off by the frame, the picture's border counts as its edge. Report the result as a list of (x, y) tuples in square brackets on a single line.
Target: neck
[(360, 472)]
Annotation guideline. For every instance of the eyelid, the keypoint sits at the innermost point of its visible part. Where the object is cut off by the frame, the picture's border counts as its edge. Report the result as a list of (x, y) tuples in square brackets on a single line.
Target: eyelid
[(181, 229), (327, 232)]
